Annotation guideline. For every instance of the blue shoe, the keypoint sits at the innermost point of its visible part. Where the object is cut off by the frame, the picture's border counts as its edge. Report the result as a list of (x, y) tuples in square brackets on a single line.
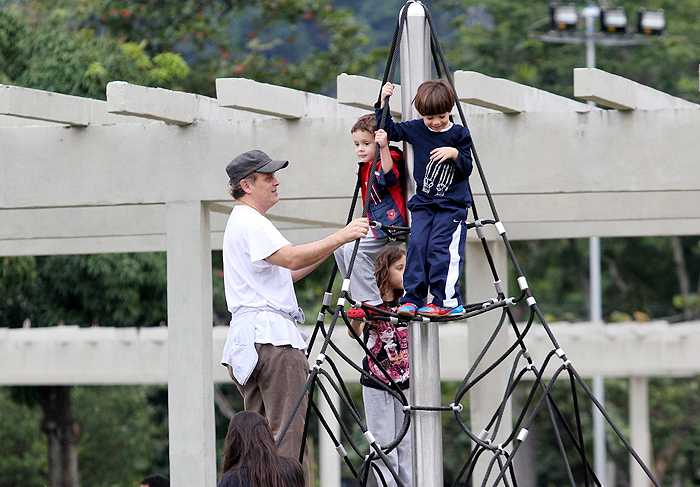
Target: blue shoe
[(407, 309), (434, 310)]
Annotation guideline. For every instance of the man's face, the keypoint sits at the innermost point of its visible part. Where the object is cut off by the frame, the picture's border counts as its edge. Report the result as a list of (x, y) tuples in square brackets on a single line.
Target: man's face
[(264, 190)]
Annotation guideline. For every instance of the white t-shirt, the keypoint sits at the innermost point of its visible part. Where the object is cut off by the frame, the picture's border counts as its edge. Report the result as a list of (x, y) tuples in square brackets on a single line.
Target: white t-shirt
[(252, 285)]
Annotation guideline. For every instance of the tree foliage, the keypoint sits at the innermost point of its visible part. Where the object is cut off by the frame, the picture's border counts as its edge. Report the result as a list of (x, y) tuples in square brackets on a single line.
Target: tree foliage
[(302, 44), (107, 289), (23, 455)]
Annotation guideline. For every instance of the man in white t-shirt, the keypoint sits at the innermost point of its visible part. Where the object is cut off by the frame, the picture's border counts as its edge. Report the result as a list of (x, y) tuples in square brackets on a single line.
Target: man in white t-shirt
[(264, 351)]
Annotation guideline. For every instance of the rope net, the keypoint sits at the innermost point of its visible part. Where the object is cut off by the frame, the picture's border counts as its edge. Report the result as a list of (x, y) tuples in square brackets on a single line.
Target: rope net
[(500, 454)]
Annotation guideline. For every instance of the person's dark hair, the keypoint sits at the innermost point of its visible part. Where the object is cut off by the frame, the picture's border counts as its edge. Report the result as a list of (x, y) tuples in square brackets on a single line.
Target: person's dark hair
[(292, 472), (366, 122), (236, 191), (434, 97), (250, 451), (386, 258), (156, 480)]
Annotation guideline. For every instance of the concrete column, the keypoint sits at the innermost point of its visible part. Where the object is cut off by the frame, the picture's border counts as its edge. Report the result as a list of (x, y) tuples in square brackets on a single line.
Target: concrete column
[(640, 434), (329, 460), (485, 397), (190, 373)]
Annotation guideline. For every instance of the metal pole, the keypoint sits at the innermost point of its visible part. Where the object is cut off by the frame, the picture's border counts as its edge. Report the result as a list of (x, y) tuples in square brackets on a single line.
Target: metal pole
[(426, 426), (591, 13)]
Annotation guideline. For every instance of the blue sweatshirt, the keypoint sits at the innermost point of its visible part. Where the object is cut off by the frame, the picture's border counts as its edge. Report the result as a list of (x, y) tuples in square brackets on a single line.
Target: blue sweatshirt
[(448, 179)]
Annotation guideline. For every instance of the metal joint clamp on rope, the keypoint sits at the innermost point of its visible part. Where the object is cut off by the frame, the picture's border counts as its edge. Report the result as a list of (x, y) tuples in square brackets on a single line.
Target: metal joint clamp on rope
[(341, 450), (561, 354), (370, 437), (319, 360), (343, 291), (500, 228), (499, 287), (522, 283), (522, 435), (458, 408), (479, 227), (327, 299)]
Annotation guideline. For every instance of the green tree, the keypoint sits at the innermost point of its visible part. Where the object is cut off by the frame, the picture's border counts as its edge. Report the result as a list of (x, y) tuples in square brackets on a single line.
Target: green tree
[(23, 455), (302, 44), (124, 433)]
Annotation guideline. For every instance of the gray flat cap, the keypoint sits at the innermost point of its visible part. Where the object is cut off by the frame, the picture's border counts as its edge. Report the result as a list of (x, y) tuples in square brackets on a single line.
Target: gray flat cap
[(249, 162)]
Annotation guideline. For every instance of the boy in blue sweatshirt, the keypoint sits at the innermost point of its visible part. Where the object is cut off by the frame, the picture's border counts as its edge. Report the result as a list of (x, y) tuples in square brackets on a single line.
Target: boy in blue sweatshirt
[(441, 168)]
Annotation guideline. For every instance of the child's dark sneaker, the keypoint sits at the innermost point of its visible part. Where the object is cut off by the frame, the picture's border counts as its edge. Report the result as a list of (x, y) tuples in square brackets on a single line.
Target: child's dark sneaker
[(407, 309), (434, 310)]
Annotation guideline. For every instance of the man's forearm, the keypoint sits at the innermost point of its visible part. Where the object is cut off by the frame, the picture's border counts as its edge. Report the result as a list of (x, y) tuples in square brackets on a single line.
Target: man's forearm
[(298, 257)]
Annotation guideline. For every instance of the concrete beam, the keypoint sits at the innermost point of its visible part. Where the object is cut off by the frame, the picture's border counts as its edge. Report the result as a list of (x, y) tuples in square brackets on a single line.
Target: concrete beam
[(172, 107), (47, 106), (621, 93), (104, 355), (14, 121), (246, 94), (279, 101), (363, 92), (508, 96), (44, 105)]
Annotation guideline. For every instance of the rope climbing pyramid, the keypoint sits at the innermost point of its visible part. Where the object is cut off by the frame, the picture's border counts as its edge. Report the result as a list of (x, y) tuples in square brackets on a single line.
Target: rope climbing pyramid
[(495, 445)]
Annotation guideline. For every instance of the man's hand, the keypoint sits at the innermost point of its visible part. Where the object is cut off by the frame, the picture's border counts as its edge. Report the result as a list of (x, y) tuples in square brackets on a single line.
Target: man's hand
[(441, 154), (357, 228)]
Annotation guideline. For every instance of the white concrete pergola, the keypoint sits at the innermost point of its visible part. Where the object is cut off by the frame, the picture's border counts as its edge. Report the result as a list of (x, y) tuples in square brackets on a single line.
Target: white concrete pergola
[(144, 171)]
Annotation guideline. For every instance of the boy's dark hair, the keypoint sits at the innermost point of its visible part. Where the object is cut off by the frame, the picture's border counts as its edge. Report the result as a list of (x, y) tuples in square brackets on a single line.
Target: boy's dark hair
[(156, 480), (366, 122), (434, 97)]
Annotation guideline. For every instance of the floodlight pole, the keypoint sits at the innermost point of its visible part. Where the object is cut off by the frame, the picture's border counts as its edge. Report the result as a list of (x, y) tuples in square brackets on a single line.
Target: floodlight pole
[(600, 460), (424, 340), (591, 13)]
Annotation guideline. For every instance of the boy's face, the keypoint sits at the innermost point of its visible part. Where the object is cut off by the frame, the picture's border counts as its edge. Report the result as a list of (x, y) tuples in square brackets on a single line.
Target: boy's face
[(436, 122), (364, 145)]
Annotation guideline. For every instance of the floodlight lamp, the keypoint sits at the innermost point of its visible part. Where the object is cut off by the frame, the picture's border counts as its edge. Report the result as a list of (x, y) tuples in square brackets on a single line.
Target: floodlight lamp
[(613, 20), (563, 16), (651, 22)]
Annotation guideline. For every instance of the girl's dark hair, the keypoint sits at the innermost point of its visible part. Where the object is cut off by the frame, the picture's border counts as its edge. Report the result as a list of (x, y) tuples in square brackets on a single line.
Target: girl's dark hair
[(434, 97), (250, 451), (386, 258)]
